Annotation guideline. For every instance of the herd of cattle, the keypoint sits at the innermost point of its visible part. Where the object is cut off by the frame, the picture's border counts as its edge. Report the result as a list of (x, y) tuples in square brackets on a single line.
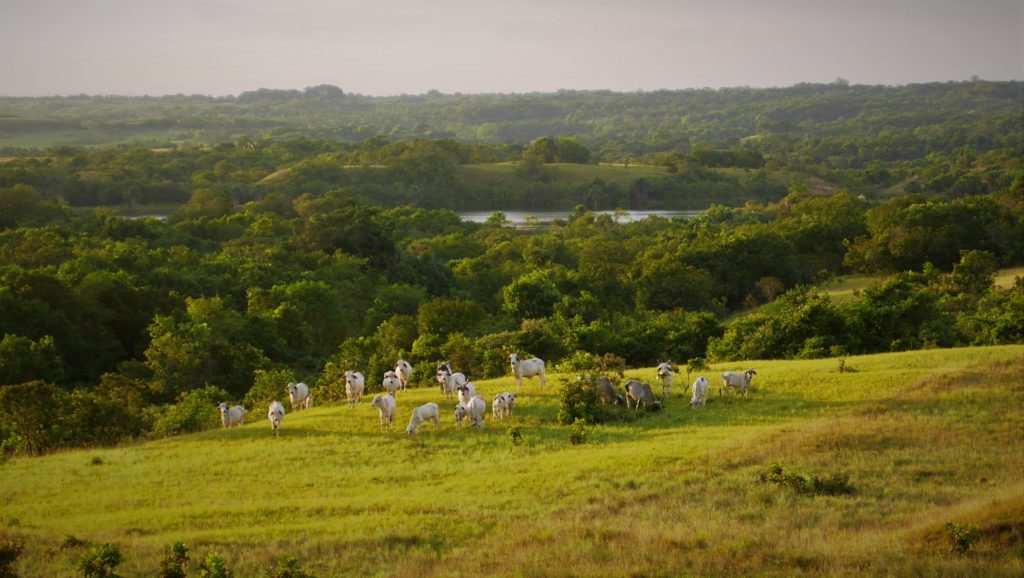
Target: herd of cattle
[(471, 407)]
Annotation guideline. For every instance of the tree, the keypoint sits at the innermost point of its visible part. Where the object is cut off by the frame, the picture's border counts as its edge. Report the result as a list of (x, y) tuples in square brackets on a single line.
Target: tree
[(531, 296)]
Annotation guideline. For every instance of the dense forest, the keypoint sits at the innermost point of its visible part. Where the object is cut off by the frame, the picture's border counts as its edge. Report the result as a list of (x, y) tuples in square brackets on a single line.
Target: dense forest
[(296, 248)]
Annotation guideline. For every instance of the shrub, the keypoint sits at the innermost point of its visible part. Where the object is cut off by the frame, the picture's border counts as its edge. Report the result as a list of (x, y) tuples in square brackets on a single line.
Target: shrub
[(268, 386), (578, 432), (176, 562), (100, 562), (578, 401), (196, 410), (213, 567), (836, 484), (961, 538), (9, 552), (515, 434), (288, 567)]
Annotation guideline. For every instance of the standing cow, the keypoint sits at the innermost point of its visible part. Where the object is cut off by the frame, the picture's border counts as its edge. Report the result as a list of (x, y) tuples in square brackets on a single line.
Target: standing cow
[(528, 368)]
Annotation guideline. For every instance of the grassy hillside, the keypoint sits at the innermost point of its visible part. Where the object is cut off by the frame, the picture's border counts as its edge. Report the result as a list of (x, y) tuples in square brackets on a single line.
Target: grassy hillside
[(926, 437)]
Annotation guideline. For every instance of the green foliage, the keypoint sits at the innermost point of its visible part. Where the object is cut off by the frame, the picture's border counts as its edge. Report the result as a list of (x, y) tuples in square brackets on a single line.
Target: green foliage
[(175, 565), (10, 550), (834, 485), (962, 538), (577, 401), (100, 562), (269, 385), (33, 415), (194, 411), (531, 296), (578, 431), (213, 567), (23, 359), (288, 567)]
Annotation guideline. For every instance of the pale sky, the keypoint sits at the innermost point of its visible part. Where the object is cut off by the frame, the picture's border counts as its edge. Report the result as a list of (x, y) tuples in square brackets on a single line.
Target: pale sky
[(386, 47)]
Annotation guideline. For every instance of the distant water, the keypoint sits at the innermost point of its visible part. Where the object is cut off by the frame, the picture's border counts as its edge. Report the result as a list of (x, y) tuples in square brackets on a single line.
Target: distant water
[(520, 217)]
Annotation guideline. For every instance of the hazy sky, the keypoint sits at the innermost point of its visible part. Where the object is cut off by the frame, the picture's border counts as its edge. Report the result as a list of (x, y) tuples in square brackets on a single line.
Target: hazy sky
[(384, 47)]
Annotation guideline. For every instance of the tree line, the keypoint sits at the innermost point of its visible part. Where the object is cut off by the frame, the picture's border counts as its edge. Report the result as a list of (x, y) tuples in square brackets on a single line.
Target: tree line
[(115, 327)]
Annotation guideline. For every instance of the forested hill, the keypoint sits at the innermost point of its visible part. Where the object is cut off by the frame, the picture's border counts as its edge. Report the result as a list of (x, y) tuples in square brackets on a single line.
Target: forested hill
[(901, 122)]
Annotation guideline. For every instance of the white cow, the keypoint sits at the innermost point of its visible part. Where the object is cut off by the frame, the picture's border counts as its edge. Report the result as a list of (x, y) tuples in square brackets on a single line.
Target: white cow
[(422, 414), (298, 394), (460, 414), (392, 382), (731, 379), (276, 415), (475, 411), (449, 381), (528, 368), (404, 371), (385, 404), (231, 416), (503, 405), (700, 392), (466, 392), (355, 383), (665, 375), (642, 393)]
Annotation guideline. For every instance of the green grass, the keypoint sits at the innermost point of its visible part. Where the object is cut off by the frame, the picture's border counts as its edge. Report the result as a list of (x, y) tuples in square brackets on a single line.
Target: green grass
[(926, 437)]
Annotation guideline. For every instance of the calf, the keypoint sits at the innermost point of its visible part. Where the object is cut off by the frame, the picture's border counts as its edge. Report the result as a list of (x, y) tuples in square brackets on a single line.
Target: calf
[(385, 404), (422, 414), (391, 382)]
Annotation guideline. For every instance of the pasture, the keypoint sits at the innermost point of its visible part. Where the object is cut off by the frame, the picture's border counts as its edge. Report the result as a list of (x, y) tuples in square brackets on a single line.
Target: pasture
[(925, 437)]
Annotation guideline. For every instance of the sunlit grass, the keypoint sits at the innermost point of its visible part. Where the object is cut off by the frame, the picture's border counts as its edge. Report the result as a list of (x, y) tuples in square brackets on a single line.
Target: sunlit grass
[(926, 437)]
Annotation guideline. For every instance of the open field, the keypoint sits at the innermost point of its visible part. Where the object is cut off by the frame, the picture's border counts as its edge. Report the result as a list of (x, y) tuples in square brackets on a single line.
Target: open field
[(926, 437)]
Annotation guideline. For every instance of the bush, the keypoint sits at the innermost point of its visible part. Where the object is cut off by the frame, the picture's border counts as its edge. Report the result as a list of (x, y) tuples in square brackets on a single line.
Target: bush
[(515, 434), (962, 538), (268, 386), (836, 484), (100, 562), (578, 401), (176, 562), (196, 410), (213, 567), (9, 552), (578, 432), (288, 567)]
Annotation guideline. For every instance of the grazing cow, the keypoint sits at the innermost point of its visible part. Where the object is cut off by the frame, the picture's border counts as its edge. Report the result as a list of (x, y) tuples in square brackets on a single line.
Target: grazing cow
[(731, 379), (404, 371), (528, 368), (641, 393), (298, 395), (391, 382), (665, 375), (449, 381), (700, 392), (385, 404), (503, 405), (475, 411), (422, 414), (466, 392), (231, 416), (355, 383), (607, 393), (276, 415)]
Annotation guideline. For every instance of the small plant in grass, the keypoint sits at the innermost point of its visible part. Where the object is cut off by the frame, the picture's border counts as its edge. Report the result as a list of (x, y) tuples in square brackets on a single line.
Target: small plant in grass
[(213, 567), (288, 567), (100, 562), (515, 434), (72, 542), (962, 538), (695, 365), (578, 432), (9, 552), (836, 484), (176, 562)]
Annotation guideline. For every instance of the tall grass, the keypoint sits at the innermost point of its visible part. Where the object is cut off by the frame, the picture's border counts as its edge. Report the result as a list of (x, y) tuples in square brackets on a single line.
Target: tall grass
[(926, 437)]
